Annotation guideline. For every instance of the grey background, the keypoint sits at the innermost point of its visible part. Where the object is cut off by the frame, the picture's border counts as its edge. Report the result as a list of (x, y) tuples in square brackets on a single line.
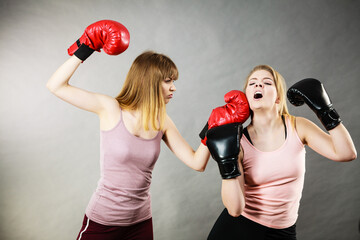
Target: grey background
[(49, 151)]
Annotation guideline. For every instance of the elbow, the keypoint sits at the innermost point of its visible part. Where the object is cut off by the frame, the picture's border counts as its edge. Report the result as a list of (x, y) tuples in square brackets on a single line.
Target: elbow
[(350, 158), (54, 89), (50, 87), (236, 211), (352, 155), (200, 169)]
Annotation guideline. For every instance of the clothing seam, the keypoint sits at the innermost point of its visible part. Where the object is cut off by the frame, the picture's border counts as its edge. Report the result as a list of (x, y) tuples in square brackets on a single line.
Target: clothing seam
[(87, 225)]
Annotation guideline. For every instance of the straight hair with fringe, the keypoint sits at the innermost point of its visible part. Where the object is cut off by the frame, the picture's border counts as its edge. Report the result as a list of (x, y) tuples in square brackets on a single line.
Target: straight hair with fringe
[(142, 88)]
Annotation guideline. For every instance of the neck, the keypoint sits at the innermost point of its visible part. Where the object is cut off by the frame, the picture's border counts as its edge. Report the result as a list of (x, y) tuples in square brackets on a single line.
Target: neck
[(265, 121)]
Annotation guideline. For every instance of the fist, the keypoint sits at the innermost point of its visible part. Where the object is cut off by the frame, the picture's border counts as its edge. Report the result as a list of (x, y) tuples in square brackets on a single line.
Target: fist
[(109, 35), (236, 110)]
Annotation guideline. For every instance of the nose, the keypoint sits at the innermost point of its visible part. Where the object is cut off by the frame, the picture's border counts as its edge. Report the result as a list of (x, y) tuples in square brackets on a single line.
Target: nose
[(258, 85), (172, 88)]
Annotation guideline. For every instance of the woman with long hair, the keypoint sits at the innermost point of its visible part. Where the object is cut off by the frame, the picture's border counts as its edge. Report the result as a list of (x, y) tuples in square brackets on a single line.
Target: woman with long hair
[(132, 126), (262, 197)]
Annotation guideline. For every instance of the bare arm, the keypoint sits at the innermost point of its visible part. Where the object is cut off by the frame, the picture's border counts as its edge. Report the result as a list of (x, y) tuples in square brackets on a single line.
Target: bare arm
[(336, 145), (232, 193), (196, 160), (100, 104)]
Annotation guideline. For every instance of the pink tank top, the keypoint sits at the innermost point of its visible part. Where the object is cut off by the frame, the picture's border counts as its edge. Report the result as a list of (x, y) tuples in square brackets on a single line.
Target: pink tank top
[(122, 196), (274, 181)]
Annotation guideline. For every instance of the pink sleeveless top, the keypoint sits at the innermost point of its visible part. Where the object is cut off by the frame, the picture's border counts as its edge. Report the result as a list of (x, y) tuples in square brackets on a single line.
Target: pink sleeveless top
[(122, 196), (274, 181)]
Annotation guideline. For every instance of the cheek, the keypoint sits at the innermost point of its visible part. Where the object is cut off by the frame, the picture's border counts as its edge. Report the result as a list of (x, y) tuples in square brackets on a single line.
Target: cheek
[(163, 88), (248, 94), (274, 93)]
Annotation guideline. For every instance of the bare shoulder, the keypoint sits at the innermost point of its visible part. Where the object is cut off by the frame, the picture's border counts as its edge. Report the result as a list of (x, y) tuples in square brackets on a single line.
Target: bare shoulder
[(305, 128), (110, 110), (301, 121), (108, 102), (168, 124)]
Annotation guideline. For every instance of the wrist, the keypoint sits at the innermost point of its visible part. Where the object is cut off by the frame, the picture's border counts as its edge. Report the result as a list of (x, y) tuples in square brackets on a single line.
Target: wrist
[(202, 134), (229, 168), (203, 141), (83, 52)]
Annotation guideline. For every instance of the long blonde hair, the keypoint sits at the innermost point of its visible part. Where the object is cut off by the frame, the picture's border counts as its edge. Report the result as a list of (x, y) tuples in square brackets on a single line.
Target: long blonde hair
[(280, 86), (142, 88)]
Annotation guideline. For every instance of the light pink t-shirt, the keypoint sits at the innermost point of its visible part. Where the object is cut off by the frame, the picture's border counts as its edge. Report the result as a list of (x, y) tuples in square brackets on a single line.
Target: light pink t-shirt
[(122, 196), (274, 181)]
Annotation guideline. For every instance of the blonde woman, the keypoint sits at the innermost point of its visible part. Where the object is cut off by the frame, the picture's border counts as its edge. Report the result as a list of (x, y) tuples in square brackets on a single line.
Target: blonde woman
[(132, 126), (262, 201)]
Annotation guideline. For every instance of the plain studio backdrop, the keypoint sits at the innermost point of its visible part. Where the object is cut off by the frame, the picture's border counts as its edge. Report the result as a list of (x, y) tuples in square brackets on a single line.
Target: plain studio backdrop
[(49, 163)]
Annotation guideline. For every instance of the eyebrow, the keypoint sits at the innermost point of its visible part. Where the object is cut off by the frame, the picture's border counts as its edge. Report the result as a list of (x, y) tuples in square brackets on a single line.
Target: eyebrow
[(266, 78)]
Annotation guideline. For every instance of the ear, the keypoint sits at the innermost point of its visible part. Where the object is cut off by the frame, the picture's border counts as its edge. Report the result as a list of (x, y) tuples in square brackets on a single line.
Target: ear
[(277, 100)]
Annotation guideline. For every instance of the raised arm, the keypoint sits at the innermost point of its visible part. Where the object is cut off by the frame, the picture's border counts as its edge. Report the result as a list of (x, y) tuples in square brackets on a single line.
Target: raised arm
[(59, 85), (336, 145), (108, 35)]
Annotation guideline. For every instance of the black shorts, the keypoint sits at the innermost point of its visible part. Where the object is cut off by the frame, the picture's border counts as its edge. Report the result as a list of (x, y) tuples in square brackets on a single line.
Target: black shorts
[(228, 227)]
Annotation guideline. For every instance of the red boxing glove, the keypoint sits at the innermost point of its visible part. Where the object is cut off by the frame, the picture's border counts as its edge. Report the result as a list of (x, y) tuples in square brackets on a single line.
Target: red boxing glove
[(110, 35), (236, 110)]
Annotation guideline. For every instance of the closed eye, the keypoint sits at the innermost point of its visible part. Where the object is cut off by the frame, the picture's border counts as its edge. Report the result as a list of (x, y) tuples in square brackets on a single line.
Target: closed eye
[(268, 81), (169, 80)]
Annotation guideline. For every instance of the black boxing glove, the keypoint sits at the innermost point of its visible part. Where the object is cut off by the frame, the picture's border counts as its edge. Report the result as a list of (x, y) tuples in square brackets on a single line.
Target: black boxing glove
[(223, 143), (312, 92)]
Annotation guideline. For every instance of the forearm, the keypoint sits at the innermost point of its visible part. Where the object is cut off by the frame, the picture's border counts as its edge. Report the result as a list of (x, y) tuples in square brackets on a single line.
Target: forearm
[(63, 74), (196, 160), (232, 193), (342, 143), (338, 146), (201, 158)]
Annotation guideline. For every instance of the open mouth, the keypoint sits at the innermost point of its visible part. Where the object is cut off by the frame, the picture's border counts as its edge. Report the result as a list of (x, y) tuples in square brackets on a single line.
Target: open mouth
[(258, 95)]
